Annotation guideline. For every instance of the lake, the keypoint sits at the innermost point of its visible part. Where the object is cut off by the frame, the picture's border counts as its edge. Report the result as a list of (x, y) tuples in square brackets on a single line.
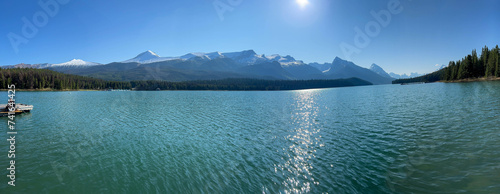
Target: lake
[(427, 138)]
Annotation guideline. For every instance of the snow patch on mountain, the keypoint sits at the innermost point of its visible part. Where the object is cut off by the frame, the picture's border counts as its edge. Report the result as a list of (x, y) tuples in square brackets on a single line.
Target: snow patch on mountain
[(205, 56), (405, 76), (441, 67), (284, 60), (377, 69), (247, 57), (321, 67)]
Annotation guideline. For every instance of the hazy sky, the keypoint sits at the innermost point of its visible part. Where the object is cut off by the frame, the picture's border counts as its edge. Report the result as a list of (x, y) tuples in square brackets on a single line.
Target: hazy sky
[(419, 34)]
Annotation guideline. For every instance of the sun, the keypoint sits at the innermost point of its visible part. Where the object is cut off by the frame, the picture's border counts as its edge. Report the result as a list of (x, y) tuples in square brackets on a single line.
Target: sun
[(302, 3)]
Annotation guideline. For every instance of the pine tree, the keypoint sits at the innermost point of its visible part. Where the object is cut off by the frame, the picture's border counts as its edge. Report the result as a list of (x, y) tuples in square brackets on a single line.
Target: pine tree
[(484, 58), (476, 66), (464, 70), (497, 72), (448, 76), (455, 70), (491, 63)]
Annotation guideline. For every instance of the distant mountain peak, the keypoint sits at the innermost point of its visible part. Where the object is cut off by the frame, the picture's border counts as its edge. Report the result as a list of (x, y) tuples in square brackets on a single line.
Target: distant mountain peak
[(373, 66), (249, 52), (377, 69), (405, 76), (286, 60), (148, 54), (208, 56), (338, 59), (442, 67), (144, 57), (76, 62)]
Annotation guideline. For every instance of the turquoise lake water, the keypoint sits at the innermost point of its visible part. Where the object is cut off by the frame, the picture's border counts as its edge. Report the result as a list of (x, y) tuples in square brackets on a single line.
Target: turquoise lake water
[(427, 138)]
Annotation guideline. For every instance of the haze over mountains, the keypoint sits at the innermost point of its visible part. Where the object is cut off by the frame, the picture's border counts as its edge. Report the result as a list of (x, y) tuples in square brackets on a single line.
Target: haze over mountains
[(413, 74), (216, 65)]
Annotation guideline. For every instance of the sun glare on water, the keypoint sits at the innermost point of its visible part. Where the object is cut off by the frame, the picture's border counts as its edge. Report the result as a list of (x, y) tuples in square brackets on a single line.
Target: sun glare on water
[(302, 3)]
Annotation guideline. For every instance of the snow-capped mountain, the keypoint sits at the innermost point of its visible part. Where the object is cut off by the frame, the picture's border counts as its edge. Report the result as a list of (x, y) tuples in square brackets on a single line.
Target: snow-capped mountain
[(247, 57), (149, 57), (341, 68), (204, 56), (35, 66), (286, 60), (214, 65), (377, 69), (74, 63)]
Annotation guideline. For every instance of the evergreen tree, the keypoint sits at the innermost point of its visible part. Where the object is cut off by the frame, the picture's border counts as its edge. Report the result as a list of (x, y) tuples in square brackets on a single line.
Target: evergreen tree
[(463, 71), (496, 53), (477, 70), (25, 78), (456, 70), (484, 57), (491, 64), (449, 71), (471, 66)]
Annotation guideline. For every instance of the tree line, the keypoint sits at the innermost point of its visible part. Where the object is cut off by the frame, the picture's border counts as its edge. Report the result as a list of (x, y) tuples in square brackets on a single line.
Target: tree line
[(247, 84), (29, 78), (471, 66), (43, 79)]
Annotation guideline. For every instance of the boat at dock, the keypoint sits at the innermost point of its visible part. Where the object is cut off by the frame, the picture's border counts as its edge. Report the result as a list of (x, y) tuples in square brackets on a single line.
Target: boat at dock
[(18, 108)]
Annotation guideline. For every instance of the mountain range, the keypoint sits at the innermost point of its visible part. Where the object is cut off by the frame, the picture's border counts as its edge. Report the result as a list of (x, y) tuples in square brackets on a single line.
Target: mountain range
[(216, 65), (405, 76)]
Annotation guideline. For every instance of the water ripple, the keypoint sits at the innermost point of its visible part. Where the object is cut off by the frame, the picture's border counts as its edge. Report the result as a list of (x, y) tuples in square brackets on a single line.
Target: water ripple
[(381, 139)]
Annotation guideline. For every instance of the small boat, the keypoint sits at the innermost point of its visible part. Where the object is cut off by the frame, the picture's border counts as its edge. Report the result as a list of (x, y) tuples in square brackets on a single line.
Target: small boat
[(19, 108), (412, 83)]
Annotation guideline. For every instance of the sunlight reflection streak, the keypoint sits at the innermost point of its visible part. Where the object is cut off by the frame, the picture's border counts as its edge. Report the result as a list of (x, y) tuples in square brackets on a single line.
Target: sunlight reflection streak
[(297, 164)]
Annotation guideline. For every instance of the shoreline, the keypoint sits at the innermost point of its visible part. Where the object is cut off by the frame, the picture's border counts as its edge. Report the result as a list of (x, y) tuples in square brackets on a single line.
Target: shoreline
[(89, 90), (473, 80), (47, 90), (81, 90)]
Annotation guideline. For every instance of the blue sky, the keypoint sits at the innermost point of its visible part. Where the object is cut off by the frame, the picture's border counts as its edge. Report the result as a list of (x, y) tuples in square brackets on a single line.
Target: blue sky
[(424, 33)]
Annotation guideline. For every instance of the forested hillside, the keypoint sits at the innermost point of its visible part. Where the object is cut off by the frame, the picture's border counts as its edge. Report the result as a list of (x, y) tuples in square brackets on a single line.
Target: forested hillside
[(248, 84), (28, 78)]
